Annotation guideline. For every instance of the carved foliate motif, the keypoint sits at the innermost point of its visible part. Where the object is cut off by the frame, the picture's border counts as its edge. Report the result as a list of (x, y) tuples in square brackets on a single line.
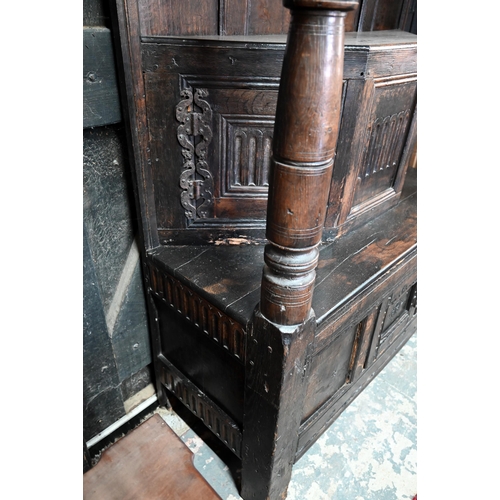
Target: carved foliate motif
[(194, 135)]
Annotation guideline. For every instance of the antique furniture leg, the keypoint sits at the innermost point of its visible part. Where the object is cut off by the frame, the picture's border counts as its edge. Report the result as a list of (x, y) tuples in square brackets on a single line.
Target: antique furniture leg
[(305, 137)]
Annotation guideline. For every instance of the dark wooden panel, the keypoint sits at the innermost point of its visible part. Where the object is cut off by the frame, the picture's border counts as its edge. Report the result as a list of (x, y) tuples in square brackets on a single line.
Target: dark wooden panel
[(380, 15), (322, 419), (223, 330), (328, 370), (392, 110), (201, 405), (267, 17), (213, 179), (363, 254), (173, 17), (239, 89), (343, 353), (125, 18), (223, 274), (246, 17), (352, 132), (229, 275), (101, 102), (218, 374)]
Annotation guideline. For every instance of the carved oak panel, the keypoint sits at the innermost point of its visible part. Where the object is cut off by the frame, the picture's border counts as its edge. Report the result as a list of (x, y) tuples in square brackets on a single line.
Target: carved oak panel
[(392, 110), (246, 155), (210, 107), (357, 346)]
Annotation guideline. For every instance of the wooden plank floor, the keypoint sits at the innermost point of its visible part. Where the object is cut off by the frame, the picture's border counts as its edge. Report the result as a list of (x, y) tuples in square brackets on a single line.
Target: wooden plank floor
[(149, 463)]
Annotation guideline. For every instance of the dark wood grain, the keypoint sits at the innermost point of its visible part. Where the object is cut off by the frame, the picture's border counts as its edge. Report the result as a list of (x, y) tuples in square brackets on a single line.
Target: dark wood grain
[(377, 15), (358, 335), (171, 17), (234, 128), (281, 334), (240, 76), (305, 137), (322, 419), (274, 391), (247, 17)]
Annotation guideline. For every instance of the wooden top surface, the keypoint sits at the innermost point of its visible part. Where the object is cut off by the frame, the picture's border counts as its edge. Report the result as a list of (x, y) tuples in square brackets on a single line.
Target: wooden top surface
[(352, 39), (230, 275), (149, 463)]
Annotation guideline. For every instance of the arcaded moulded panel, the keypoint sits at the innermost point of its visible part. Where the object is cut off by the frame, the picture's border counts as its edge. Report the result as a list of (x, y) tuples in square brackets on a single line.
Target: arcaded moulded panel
[(210, 107)]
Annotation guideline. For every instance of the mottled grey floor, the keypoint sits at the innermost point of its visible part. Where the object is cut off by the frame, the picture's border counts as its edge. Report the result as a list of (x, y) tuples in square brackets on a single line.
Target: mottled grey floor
[(368, 453)]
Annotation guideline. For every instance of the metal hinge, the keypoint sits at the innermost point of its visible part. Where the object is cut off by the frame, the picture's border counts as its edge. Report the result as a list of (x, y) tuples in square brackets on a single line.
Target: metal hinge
[(197, 186), (194, 135)]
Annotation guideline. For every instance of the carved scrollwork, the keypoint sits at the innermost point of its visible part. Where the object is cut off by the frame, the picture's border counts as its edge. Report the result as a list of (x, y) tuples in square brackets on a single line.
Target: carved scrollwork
[(202, 127), (184, 131), (195, 180)]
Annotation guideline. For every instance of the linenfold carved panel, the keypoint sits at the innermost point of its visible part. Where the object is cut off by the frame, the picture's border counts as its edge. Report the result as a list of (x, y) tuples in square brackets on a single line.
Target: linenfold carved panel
[(246, 158), (394, 101), (238, 114), (386, 138)]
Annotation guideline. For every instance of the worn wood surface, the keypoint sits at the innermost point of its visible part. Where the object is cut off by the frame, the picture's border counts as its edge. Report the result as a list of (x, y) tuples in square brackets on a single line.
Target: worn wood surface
[(125, 30), (207, 364), (229, 275), (229, 167), (301, 165), (245, 17), (357, 335), (350, 262), (274, 391), (304, 142), (149, 463), (312, 429), (374, 15), (202, 107)]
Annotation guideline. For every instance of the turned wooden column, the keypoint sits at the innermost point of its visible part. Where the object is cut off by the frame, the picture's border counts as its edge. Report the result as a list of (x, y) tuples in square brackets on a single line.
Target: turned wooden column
[(305, 137), (281, 335)]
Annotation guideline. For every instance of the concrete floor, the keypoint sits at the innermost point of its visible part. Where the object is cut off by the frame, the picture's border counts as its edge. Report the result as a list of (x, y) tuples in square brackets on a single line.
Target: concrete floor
[(368, 453)]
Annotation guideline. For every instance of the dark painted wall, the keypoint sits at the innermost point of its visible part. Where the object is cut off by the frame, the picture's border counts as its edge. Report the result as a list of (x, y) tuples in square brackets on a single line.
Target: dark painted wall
[(116, 349)]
